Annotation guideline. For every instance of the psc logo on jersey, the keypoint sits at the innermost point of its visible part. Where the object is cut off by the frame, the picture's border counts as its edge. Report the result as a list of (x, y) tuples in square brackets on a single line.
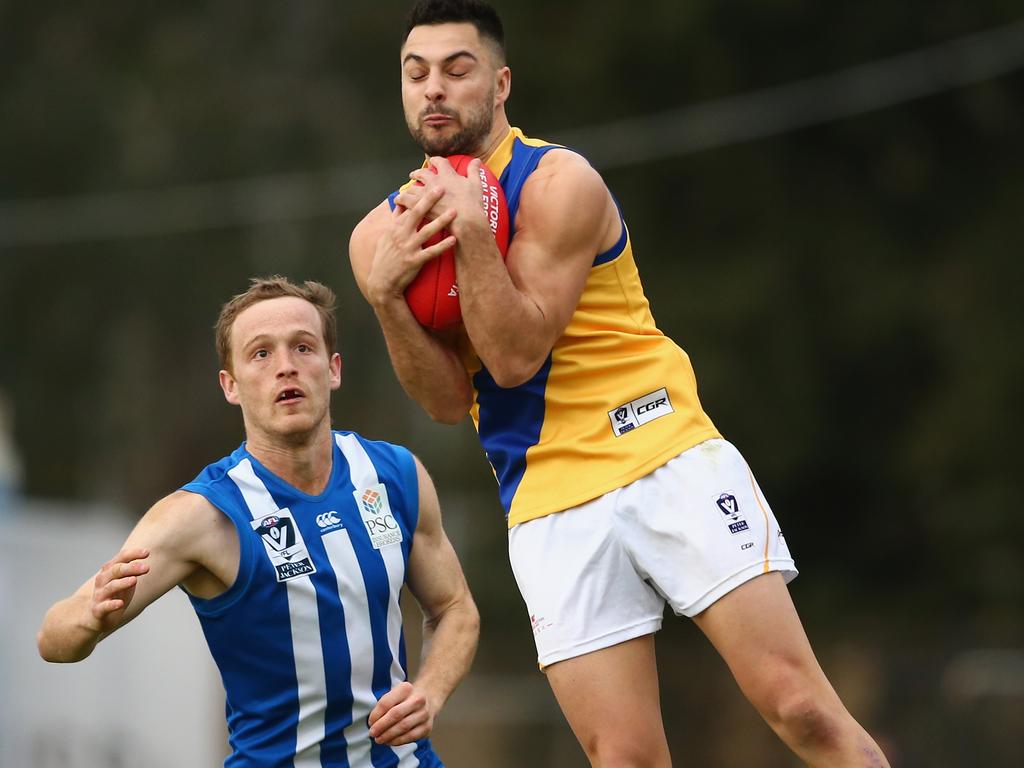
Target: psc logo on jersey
[(282, 539), (376, 513)]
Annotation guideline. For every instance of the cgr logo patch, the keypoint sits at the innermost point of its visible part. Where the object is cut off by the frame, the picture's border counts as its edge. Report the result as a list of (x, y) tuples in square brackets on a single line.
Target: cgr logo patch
[(643, 410)]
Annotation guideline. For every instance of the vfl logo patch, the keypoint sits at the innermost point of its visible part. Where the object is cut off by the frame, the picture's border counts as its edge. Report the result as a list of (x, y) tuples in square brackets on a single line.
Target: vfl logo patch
[(378, 520), (283, 541), (328, 522), (731, 509), (636, 413)]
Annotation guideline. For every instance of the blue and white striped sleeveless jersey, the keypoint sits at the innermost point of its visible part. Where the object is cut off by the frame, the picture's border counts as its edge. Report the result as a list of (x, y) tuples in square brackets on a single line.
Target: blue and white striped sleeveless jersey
[(309, 636)]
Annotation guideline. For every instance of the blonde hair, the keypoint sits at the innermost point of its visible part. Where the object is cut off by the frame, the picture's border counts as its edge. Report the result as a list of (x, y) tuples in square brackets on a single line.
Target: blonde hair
[(274, 287)]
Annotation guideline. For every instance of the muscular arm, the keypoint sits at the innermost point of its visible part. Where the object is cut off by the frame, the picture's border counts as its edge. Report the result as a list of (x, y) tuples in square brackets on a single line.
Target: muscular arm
[(516, 311), (181, 539), (386, 253), (451, 628)]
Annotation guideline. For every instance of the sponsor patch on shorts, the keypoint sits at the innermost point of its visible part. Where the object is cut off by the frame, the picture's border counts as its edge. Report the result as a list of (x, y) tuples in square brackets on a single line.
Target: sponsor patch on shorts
[(643, 410), (731, 509)]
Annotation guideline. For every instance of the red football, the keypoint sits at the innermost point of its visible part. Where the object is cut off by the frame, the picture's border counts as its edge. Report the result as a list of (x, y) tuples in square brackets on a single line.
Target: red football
[(433, 295)]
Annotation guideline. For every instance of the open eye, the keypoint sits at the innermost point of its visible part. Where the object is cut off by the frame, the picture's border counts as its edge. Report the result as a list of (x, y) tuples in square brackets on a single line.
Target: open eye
[(304, 348), (261, 354)]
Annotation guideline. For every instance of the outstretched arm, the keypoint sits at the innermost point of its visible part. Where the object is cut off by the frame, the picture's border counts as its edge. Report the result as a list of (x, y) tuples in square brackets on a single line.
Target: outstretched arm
[(386, 251), (166, 548), (451, 627)]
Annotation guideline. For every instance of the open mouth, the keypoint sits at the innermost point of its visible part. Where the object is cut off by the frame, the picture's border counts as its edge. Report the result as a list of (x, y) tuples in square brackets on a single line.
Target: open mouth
[(289, 396)]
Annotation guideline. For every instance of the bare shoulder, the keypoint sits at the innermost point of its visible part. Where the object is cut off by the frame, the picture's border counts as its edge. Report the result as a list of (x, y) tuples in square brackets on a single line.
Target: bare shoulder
[(566, 207), (186, 523), (184, 508), (428, 523), (563, 170)]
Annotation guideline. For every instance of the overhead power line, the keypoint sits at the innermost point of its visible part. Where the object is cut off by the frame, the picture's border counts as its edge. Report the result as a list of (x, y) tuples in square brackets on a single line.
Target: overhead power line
[(770, 111)]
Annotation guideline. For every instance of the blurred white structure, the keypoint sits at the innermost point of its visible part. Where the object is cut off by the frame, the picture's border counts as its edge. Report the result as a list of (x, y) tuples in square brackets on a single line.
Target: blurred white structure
[(149, 695)]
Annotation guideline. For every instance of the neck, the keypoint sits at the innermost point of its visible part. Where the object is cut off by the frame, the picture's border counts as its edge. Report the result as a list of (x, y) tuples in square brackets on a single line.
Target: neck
[(302, 462), (497, 135)]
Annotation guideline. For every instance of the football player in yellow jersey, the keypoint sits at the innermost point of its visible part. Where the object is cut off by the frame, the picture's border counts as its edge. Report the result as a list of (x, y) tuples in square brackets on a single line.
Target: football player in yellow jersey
[(620, 495)]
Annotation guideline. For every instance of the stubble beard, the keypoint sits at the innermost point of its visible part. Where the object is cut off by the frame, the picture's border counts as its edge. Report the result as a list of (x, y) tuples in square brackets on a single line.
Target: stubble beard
[(476, 127)]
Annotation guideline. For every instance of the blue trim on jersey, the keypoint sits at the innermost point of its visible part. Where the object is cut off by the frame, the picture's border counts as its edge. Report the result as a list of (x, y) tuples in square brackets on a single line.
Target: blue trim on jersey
[(249, 627), (616, 250), (510, 423), (524, 162)]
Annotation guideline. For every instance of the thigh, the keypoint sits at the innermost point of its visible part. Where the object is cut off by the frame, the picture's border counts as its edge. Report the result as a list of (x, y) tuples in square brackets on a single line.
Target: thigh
[(756, 630), (579, 584), (698, 527), (610, 698)]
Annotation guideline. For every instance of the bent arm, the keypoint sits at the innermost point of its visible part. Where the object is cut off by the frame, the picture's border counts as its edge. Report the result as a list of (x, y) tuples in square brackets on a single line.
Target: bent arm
[(385, 252), (451, 628), (154, 559), (451, 621), (515, 311)]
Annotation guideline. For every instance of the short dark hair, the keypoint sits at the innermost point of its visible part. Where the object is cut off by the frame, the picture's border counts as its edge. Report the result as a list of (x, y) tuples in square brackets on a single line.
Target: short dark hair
[(479, 14), (274, 287)]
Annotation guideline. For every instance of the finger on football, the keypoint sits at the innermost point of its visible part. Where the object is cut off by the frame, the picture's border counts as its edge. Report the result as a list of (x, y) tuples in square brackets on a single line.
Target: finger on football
[(434, 226)]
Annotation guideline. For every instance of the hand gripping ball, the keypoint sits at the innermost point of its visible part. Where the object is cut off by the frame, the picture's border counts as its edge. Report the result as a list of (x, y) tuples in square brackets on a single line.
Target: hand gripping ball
[(433, 295)]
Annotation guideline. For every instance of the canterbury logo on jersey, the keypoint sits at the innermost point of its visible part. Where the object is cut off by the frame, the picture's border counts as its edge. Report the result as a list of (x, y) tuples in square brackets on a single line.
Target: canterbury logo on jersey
[(328, 522), (636, 413)]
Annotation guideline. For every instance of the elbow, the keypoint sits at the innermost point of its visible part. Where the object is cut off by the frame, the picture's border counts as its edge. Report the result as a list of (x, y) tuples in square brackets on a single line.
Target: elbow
[(449, 410), (449, 416), (514, 372), (47, 652)]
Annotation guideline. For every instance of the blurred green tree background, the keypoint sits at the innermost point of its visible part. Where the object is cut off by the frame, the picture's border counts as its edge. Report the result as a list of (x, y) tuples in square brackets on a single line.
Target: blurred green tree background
[(849, 291)]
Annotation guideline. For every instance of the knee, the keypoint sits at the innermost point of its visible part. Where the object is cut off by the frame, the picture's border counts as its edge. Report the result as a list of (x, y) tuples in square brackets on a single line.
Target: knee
[(802, 706), (605, 752), (810, 719)]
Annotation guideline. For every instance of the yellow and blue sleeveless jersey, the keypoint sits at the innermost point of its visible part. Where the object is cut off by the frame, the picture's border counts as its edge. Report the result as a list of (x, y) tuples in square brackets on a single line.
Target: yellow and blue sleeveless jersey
[(309, 636), (615, 398)]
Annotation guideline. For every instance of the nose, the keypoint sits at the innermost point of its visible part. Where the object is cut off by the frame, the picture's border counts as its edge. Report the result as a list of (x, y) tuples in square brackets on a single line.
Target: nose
[(435, 87), (286, 364)]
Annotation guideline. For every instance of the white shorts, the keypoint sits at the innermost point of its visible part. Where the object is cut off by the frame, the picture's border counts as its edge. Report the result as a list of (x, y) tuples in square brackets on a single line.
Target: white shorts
[(686, 534)]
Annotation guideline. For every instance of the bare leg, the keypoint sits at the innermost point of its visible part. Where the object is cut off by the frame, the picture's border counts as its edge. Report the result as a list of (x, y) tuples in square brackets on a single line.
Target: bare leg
[(610, 698), (757, 631)]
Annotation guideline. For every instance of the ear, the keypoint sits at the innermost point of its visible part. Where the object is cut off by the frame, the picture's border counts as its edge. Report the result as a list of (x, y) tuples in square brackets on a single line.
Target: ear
[(502, 86), (334, 371), (229, 386)]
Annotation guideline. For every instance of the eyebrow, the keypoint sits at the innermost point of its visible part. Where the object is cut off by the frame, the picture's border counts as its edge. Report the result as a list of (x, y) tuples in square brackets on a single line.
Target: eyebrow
[(264, 338), (448, 59)]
